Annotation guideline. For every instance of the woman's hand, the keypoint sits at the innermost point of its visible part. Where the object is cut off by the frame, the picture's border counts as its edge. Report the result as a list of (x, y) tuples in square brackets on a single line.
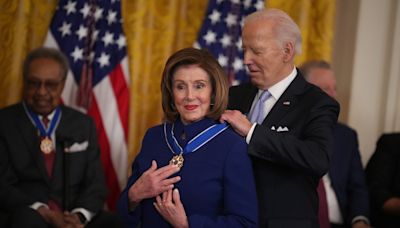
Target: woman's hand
[(153, 182), (171, 208)]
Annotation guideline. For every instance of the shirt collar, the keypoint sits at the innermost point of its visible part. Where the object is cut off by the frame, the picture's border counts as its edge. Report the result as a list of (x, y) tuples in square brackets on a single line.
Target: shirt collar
[(277, 90), (190, 130)]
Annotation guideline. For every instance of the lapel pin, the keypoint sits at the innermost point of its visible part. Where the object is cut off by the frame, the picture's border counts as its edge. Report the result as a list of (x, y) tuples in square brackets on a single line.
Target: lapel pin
[(286, 103)]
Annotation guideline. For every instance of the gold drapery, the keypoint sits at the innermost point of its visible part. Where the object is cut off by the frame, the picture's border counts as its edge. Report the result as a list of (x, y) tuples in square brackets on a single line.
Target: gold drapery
[(154, 30)]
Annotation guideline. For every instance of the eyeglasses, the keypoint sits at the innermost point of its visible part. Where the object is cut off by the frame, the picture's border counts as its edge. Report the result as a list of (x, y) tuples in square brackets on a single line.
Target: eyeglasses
[(50, 85)]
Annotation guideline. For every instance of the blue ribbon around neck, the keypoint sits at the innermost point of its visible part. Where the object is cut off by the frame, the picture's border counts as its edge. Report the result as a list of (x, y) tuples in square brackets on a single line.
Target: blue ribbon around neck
[(194, 144), (39, 124)]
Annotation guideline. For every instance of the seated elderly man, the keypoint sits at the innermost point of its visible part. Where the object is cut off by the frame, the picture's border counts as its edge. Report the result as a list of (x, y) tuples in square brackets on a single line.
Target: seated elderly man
[(50, 169)]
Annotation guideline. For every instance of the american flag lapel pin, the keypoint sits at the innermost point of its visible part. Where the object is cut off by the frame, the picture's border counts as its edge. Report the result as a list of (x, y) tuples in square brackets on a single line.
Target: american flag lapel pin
[(287, 103)]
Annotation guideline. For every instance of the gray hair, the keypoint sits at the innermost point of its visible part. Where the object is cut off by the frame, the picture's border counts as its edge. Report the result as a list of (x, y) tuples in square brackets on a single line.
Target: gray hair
[(306, 67), (48, 53), (286, 29)]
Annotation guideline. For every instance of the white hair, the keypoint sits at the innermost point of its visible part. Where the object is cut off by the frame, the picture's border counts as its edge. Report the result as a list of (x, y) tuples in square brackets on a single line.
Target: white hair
[(286, 30)]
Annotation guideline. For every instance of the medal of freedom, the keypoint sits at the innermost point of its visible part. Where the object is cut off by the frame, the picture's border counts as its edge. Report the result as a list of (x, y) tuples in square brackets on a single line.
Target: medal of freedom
[(177, 160), (46, 145)]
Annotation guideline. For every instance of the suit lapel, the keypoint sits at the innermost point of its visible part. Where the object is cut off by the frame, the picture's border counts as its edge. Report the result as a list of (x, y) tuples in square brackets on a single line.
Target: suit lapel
[(30, 135), (242, 98), (287, 101), (58, 161)]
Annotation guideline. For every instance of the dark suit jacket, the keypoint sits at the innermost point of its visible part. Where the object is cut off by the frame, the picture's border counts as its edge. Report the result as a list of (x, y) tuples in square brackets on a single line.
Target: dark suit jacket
[(383, 179), (347, 175), (288, 165), (23, 177)]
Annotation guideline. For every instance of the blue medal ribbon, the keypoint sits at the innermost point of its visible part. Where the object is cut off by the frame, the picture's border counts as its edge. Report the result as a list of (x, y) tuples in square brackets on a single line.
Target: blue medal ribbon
[(194, 144), (35, 119)]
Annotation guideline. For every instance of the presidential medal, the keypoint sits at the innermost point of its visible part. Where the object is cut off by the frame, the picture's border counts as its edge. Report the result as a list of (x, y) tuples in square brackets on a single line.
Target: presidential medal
[(177, 160), (46, 145)]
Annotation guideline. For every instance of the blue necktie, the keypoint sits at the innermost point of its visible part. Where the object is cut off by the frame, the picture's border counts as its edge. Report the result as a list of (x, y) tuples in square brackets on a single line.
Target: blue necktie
[(258, 113)]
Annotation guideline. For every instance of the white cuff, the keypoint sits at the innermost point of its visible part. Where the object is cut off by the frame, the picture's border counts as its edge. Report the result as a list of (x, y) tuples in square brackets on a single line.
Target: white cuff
[(360, 218), (88, 215), (36, 205), (250, 134)]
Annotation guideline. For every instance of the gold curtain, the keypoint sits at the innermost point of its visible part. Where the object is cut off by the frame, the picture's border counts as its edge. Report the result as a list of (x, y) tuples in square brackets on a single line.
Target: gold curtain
[(154, 30), (316, 21)]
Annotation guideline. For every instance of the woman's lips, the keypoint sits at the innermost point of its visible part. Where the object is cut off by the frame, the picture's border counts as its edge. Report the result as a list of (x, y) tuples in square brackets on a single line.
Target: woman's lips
[(190, 107)]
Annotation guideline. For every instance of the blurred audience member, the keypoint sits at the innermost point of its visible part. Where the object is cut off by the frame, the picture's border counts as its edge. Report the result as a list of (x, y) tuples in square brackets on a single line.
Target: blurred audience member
[(345, 187), (383, 178)]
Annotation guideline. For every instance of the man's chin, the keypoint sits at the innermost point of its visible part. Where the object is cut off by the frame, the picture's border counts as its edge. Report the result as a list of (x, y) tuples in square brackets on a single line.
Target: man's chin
[(42, 110)]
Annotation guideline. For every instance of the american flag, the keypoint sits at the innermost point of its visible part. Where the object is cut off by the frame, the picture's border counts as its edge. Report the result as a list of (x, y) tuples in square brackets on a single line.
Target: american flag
[(221, 34), (90, 34)]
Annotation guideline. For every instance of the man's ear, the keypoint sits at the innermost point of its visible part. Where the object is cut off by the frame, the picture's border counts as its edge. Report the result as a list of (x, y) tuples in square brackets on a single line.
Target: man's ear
[(288, 52)]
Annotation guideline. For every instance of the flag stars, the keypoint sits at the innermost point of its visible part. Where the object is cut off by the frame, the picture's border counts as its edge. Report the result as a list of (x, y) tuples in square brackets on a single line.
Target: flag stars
[(237, 64), (95, 34), (77, 54), (70, 7), (239, 44), (210, 37), (259, 5), (104, 60), (247, 4), (223, 60), (111, 17), (65, 29), (98, 14), (231, 20), (81, 32), (225, 41), (121, 42), (85, 10), (215, 17), (108, 38)]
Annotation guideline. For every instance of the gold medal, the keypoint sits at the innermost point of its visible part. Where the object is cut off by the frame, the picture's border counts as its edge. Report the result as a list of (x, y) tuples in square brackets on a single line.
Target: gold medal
[(177, 160), (46, 145)]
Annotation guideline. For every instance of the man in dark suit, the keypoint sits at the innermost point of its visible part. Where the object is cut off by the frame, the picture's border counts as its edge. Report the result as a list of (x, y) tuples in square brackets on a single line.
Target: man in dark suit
[(383, 179), (346, 190), (49, 175), (290, 140)]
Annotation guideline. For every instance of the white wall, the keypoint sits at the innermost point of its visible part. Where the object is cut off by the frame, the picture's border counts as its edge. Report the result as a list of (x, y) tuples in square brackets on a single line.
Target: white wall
[(374, 75)]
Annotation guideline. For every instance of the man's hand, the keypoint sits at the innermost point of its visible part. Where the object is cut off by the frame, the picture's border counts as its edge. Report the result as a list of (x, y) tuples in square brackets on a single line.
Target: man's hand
[(153, 182), (360, 224), (54, 218), (171, 208), (237, 120), (72, 220)]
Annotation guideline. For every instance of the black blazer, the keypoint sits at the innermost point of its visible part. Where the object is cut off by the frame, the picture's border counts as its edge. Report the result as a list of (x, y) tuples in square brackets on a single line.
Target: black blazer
[(23, 177), (347, 175), (288, 164), (383, 179)]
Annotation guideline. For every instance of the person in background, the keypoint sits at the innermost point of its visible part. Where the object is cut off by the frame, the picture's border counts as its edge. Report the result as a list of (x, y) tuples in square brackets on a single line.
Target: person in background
[(345, 186), (205, 177), (50, 169), (286, 121), (383, 179)]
